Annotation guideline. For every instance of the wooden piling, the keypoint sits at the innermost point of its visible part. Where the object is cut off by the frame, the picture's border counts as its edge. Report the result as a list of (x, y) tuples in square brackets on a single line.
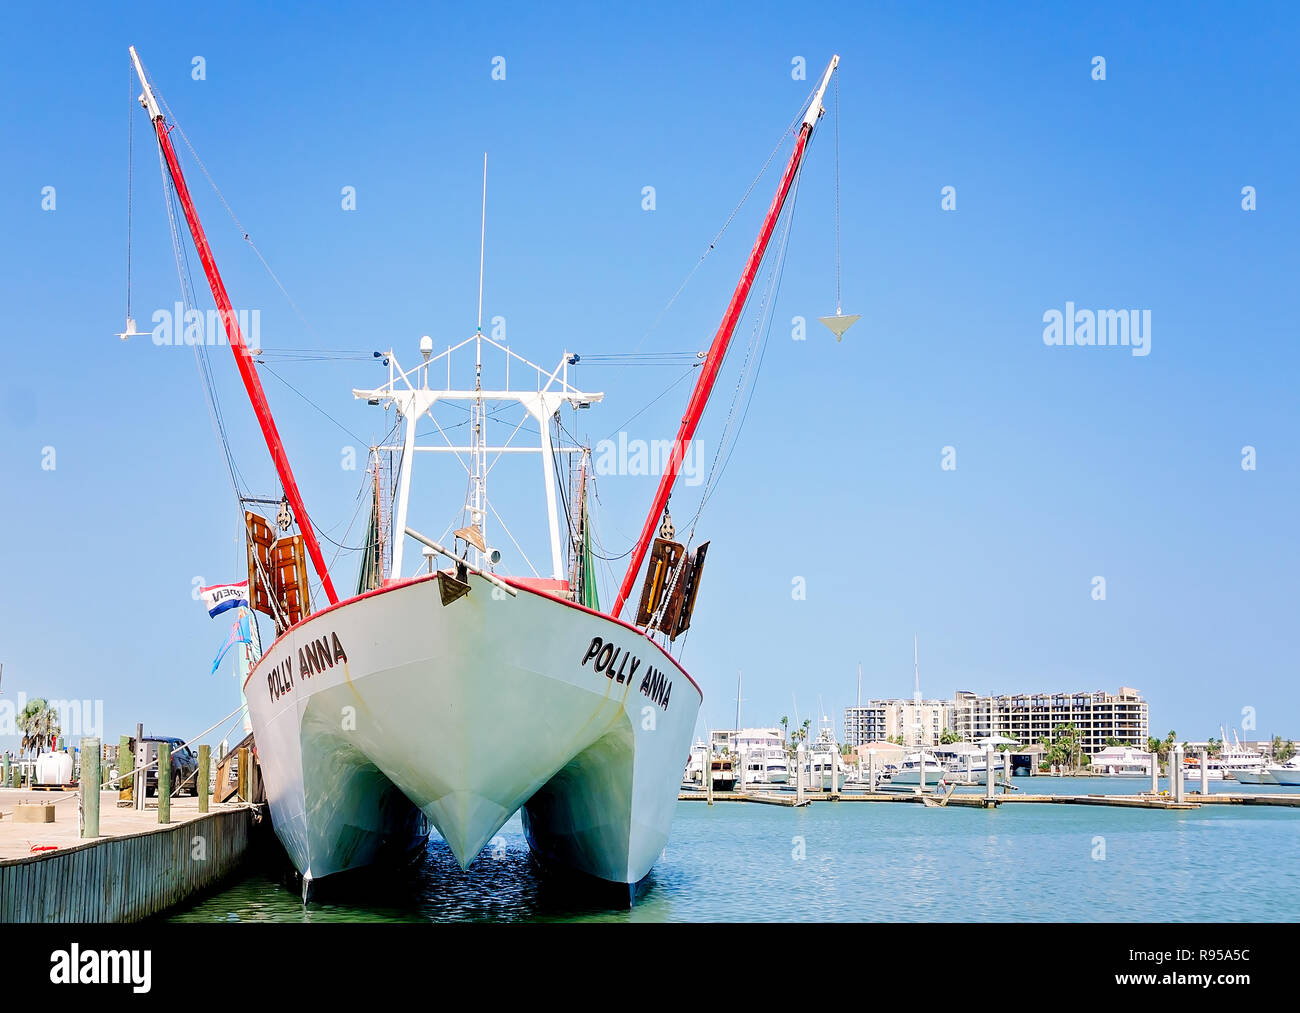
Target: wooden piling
[(164, 782), (124, 764), (139, 787), (242, 760), (89, 786), (205, 789)]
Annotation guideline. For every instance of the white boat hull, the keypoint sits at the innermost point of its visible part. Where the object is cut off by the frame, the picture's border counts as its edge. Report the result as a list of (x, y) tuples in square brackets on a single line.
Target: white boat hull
[(389, 709), (932, 777)]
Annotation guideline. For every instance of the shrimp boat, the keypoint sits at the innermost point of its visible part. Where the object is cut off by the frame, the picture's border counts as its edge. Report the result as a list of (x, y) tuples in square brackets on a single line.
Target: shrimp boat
[(369, 712)]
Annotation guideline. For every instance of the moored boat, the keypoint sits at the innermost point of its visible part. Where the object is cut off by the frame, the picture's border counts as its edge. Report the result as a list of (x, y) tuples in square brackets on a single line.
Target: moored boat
[(369, 712)]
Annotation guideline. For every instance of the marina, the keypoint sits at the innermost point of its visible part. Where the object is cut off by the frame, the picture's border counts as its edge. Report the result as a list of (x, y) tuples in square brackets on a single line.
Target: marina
[(393, 404), (859, 862)]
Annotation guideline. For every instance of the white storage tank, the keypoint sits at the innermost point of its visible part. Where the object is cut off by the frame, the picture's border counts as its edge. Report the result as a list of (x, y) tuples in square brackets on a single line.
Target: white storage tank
[(53, 768)]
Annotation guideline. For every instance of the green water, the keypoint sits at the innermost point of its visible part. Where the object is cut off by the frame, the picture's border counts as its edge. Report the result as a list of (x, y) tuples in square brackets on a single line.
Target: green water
[(878, 862)]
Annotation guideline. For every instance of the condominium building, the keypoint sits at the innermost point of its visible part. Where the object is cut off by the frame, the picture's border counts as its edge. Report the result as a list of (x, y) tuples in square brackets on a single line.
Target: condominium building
[(916, 722), (864, 724), (1030, 717)]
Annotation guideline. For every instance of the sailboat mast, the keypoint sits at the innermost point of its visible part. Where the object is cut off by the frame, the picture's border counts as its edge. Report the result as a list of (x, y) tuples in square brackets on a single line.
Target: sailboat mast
[(243, 360), (718, 349), (739, 677)]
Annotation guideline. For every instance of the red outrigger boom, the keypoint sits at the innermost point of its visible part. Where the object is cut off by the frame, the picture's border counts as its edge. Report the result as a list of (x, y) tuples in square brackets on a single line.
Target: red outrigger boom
[(247, 371), (718, 350)]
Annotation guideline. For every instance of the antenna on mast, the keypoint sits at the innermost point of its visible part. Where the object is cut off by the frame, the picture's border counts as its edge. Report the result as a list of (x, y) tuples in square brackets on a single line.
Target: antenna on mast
[(478, 509), (482, 241)]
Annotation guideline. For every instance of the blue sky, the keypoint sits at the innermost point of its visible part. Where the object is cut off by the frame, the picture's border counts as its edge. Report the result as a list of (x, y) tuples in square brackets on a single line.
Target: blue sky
[(1072, 462)]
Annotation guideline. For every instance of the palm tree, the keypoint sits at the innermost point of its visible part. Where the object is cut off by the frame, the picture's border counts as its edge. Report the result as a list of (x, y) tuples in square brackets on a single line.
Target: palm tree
[(39, 725), (785, 727)]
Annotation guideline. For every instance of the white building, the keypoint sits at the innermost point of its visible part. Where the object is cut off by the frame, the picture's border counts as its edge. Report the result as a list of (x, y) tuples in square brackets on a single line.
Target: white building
[(864, 724), (1030, 717), (1122, 760), (918, 722)]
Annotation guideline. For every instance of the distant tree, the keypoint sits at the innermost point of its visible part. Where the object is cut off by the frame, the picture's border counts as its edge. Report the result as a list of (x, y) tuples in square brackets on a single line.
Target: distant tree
[(785, 727), (948, 736), (39, 725), (1282, 751), (1214, 747), (1065, 749)]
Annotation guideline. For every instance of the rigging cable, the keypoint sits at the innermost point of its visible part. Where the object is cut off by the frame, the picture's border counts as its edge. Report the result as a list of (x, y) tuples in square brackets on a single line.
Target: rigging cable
[(229, 210), (838, 270), (130, 180), (730, 218), (322, 411), (748, 377)]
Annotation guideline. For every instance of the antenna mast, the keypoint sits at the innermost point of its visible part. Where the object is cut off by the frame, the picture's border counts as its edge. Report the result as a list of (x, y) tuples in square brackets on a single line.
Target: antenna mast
[(478, 512)]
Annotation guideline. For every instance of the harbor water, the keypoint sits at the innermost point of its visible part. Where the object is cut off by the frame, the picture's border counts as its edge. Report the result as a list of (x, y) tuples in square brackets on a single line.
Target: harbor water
[(860, 861)]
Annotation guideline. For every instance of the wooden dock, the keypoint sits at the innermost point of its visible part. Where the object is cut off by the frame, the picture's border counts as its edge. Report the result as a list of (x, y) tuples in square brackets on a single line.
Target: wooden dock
[(136, 868), (973, 800)]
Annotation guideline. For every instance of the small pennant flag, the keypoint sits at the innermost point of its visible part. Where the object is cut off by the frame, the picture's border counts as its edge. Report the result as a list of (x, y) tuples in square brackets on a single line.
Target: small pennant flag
[(220, 597), (239, 634)]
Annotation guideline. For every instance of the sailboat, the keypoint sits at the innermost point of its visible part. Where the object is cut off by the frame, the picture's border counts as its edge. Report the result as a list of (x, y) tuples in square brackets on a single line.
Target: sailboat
[(456, 695)]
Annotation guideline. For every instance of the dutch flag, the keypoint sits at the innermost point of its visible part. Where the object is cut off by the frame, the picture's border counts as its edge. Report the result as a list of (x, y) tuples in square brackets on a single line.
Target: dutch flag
[(220, 597)]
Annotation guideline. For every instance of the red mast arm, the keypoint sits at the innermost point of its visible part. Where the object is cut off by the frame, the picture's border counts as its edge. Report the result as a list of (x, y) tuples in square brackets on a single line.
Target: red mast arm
[(247, 371), (718, 349)]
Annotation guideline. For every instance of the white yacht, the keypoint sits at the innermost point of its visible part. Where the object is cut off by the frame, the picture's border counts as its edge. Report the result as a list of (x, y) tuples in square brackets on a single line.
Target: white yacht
[(914, 764), (762, 751), (822, 767), (1233, 762), (1287, 773)]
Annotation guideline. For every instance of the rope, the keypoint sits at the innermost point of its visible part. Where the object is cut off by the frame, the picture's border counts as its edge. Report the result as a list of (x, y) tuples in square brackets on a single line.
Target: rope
[(318, 408), (838, 303), (730, 218), (230, 211), (729, 438), (130, 176)]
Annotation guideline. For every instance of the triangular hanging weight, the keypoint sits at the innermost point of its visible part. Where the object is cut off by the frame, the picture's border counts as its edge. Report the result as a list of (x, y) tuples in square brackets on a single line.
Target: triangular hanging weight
[(840, 323)]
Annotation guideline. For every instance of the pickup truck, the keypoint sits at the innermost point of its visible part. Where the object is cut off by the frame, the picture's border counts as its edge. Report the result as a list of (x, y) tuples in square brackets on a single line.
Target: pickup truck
[(184, 764)]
